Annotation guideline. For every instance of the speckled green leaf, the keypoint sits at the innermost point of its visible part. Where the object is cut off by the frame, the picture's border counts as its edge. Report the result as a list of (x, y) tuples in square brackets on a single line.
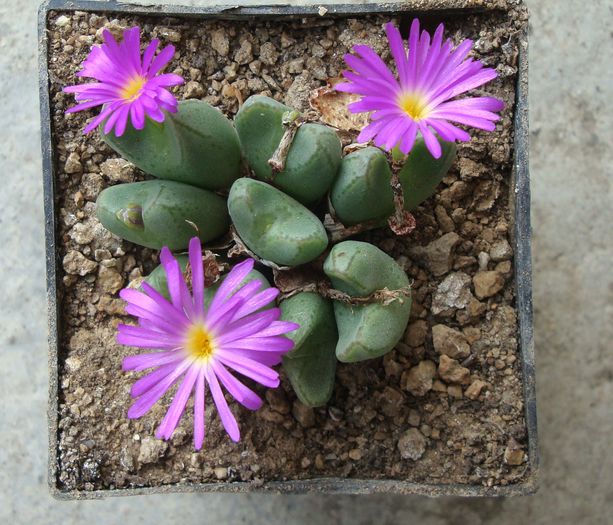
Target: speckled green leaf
[(159, 213), (313, 159), (273, 225), (366, 331), (422, 173), (362, 190), (197, 145), (311, 365)]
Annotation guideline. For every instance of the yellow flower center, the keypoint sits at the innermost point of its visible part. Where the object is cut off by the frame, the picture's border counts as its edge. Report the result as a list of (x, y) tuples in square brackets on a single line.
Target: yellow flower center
[(199, 343), (132, 88), (414, 105)]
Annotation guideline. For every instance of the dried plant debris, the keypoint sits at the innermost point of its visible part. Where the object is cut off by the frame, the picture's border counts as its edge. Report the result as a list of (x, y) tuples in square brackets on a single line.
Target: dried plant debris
[(445, 406), (332, 109)]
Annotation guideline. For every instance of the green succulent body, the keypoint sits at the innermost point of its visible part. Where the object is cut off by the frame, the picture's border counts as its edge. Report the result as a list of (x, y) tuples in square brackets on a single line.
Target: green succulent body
[(159, 213), (370, 330), (422, 173), (197, 145), (362, 191), (198, 151), (273, 225), (313, 158), (311, 365)]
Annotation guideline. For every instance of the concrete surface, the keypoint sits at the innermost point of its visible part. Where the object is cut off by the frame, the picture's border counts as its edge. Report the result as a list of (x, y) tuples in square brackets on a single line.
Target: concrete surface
[(571, 90)]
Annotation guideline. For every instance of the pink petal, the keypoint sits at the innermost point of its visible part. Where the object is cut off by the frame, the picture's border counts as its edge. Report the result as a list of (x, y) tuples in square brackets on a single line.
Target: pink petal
[(179, 293), (248, 326), (147, 382), (245, 396), (122, 120), (408, 138), (227, 419), (144, 403), (431, 141), (199, 410), (138, 115), (278, 328), (256, 302), (249, 368), (177, 407), (160, 61), (398, 51), (143, 361)]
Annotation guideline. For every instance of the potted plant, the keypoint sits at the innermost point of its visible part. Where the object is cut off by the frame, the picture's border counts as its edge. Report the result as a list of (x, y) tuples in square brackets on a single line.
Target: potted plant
[(394, 277)]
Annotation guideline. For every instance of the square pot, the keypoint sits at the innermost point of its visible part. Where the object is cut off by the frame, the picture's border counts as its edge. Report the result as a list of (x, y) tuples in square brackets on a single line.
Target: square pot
[(520, 236)]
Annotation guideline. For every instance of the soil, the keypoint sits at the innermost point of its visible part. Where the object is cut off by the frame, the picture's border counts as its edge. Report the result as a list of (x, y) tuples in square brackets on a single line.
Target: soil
[(445, 406)]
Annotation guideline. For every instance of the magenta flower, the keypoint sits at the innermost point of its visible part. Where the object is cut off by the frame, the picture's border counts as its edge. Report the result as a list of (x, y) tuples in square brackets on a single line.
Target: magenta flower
[(127, 85), (202, 345), (430, 75)]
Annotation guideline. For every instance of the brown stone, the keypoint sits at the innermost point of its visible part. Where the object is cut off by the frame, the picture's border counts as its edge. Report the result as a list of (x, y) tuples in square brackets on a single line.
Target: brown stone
[(416, 333), (412, 444), (438, 255), (244, 54), (303, 414), (451, 294), (151, 450), (220, 42), (501, 251), (73, 164), (488, 283), (474, 390), (76, 263), (439, 386), (267, 414), (194, 89), (444, 221), (450, 342), (277, 400), (109, 280), (91, 185), (355, 454), (513, 454), (451, 371), (117, 170), (455, 391), (418, 380), (110, 305), (391, 402)]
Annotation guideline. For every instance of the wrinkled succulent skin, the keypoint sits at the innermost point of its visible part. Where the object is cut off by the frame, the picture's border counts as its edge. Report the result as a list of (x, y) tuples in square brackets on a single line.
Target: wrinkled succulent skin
[(422, 173), (371, 330), (157, 213), (273, 225), (311, 365), (362, 190), (197, 145), (313, 159)]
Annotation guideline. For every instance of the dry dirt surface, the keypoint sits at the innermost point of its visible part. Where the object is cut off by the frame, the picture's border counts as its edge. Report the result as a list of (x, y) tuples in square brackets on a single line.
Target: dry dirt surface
[(445, 406)]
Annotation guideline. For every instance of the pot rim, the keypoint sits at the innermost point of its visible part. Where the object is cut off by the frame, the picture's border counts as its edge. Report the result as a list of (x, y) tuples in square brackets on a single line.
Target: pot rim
[(521, 237)]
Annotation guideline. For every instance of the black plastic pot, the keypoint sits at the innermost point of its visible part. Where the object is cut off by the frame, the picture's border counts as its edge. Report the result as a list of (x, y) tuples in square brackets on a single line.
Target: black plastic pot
[(520, 202)]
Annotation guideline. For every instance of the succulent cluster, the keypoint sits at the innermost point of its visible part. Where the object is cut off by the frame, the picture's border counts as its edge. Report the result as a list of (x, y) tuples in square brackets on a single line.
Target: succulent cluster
[(279, 186), (196, 156)]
